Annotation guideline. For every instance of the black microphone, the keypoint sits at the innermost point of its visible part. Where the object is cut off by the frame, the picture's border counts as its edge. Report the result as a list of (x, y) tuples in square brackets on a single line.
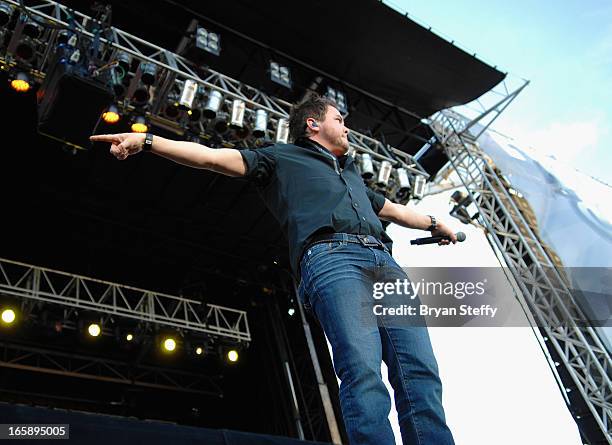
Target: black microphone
[(436, 239)]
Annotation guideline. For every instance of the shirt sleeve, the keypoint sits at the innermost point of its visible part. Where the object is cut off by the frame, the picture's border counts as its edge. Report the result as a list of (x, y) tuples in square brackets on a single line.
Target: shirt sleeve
[(376, 199), (260, 163)]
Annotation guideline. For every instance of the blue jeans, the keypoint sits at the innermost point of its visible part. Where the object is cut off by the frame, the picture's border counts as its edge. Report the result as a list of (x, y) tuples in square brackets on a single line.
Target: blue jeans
[(336, 282)]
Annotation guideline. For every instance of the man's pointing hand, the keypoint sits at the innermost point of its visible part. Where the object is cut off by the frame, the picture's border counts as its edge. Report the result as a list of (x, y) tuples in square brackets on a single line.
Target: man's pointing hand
[(122, 144)]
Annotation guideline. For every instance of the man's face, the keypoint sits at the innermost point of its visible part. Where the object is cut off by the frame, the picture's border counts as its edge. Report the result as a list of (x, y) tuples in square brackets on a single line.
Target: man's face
[(332, 132)]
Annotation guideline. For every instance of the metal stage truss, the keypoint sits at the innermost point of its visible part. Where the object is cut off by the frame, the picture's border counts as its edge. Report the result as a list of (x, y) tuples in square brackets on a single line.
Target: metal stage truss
[(541, 282), (110, 299), (175, 69)]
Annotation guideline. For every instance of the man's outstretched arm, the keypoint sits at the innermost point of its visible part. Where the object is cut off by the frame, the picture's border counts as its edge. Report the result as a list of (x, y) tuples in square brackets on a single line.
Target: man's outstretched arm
[(222, 160), (406, 217)]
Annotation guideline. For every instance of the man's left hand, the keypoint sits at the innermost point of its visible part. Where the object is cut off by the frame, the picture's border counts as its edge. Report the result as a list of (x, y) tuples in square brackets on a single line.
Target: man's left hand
[(443, 230)]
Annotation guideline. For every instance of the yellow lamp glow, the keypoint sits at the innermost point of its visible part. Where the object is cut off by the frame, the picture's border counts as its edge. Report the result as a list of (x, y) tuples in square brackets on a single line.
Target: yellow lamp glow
[(111, 116), (8, 316), (140, 125), (169, 344), (232, 355), (21, 83), (129, 337), (94, 329), (199, 350)]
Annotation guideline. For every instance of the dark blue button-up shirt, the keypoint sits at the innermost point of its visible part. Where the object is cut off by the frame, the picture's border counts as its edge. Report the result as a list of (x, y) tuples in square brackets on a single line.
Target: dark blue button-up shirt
[(311, 191)]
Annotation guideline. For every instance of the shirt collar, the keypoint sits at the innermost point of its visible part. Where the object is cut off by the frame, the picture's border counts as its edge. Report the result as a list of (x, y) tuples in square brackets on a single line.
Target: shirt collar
[(303, 141)]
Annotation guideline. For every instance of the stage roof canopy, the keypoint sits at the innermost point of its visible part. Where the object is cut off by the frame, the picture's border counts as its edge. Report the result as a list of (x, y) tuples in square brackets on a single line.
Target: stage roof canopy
[(363, 43)]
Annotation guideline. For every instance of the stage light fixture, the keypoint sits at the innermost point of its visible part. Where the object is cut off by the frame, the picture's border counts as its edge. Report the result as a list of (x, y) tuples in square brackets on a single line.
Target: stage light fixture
[(384, 173), (208, 41), (63, 37), (237, 117), (140, 125), (6, 11), (32, 29), (8, 316), (21, 82), (403, 182), (199, 350), (111, 116), (25, 49), (169, 344), (280, 74), (418, 190), (94, 329), (188, 95), (129, 337), (338, 98), (141, 95), (261, 123), (213, 104), (148, 71), (124, 61), (291, 311), (367, 166), (465, 210), (170, 109), (117, 82), (220, 123), (232, 356), (194, 114), (282, 131)]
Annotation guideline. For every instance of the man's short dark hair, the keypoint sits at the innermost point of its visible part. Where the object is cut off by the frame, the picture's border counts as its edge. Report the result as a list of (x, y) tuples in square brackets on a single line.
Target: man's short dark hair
[(313, 106)]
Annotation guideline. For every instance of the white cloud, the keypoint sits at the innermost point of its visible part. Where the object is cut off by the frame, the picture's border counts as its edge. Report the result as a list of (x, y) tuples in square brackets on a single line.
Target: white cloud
[(565, 141)]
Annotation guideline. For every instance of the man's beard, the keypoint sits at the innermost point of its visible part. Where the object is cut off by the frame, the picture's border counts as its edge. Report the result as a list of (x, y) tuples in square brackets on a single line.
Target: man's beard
[(341, 142)]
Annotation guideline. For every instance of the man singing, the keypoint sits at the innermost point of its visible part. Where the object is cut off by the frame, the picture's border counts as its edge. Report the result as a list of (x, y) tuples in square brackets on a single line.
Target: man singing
[(336, 240)]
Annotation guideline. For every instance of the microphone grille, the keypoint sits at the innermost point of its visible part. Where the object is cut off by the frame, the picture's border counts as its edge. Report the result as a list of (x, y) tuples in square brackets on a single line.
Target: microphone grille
[(460, 236)]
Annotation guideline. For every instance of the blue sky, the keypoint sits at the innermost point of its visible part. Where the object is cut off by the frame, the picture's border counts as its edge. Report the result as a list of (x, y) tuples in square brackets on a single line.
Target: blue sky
[(563, 47)]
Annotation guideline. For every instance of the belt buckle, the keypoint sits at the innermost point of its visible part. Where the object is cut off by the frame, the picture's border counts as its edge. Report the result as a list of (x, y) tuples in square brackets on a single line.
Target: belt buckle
[(365, 241)]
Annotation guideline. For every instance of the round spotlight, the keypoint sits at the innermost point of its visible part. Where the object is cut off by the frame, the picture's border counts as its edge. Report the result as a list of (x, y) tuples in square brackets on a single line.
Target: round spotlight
[(291, 311), (129, 337), (94, 329), (148, 72), (141, 95), (213, 104), (111, 116), (232, 355), (169, 344), (32, 29), (21, 83), (199, 350), (261, 123), (5, 14), (25, 49), (8, 316), (125, 61), (194, 114), (171, 110), (140, 125)]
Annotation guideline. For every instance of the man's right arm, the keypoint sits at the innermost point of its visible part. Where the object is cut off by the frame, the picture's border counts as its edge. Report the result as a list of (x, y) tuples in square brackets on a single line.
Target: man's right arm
[(222, 160)]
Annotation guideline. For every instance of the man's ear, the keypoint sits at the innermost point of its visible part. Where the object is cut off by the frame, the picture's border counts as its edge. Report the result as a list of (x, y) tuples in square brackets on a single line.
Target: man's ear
[(312, 125)]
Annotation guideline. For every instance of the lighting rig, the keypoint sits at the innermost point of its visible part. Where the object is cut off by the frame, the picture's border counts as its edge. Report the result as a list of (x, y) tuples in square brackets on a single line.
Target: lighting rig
[(120, 320), (71, 56)]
